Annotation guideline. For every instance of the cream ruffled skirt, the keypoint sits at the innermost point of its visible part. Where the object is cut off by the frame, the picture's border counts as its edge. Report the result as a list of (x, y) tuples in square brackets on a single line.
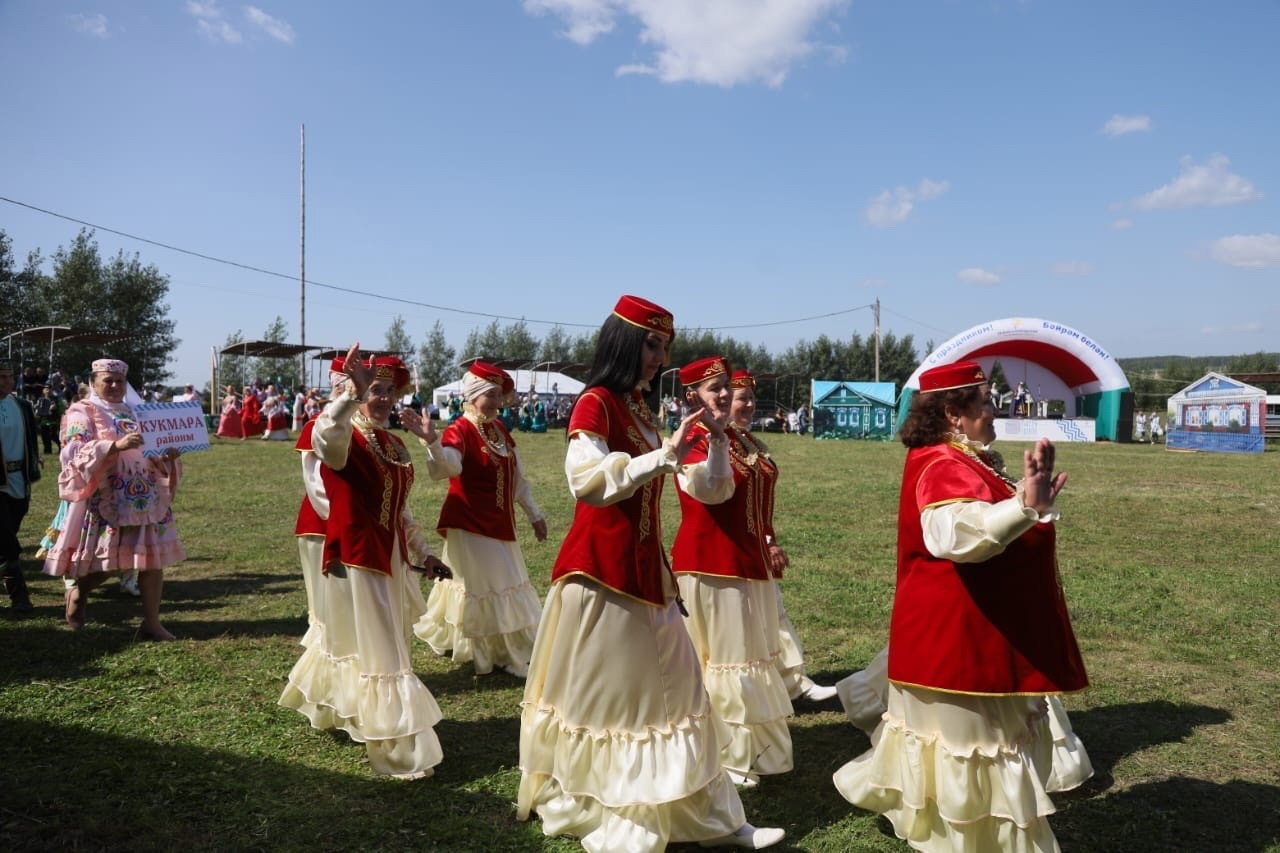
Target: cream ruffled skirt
[(618, 743), (733, 623), (790, 660), (954, 772), (355, 672), (488, 613)]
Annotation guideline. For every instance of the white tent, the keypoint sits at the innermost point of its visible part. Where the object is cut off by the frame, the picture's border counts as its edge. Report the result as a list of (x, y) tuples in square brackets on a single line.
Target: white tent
[(547, 383)]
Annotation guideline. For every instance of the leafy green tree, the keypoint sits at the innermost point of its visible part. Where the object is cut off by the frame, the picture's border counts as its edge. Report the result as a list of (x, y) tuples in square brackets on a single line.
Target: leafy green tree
[(20, 291), (520, 344), (1258, 362), (120, 296), (495, 343), (556, 346), (583, 348), (233, 370), (282, 372), (398, 341), (437, 361), (487, 343)]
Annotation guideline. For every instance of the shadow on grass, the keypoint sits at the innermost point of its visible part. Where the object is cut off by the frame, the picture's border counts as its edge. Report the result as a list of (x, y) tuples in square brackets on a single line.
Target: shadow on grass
[(70, 788), (1112, 732), (1174, 814)]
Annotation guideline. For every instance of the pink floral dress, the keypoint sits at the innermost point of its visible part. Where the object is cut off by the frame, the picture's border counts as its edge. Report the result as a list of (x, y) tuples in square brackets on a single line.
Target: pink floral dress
[(119, 506)]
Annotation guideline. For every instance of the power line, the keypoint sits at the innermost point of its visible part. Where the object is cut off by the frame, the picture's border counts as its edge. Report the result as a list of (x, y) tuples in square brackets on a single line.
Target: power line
[(250, 268)]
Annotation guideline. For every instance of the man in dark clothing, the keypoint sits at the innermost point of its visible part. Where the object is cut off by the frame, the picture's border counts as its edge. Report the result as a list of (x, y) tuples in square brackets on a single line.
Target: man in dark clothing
[(49, 409), (21, 469)]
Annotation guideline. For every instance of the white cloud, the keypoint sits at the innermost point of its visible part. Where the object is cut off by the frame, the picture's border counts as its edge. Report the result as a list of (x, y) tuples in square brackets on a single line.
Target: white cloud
[(197, 9), (210, 23), (94, 25), (1073, 268), (892, 207), (279, 30), (586, 20), (1210, 185), (1119, 125), (974, 275), (720, 42), (1122, 224), (219, 31), (1250, 251)]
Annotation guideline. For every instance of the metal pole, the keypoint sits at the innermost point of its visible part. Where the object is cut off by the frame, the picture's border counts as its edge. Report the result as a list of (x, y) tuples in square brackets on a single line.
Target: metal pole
[(302, 256), (877, 338)]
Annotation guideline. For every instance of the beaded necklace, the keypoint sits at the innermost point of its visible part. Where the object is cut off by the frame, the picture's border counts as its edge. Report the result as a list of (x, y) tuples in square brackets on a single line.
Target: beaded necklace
[(370, 432), (493, 438), (988, 459)]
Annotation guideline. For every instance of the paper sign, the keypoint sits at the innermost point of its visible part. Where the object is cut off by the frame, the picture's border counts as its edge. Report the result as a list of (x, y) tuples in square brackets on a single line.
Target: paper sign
[(177, 425)]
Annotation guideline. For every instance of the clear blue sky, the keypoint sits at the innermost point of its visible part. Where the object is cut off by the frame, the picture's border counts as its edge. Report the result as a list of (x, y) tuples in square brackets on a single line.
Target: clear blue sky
[(1114, 167)]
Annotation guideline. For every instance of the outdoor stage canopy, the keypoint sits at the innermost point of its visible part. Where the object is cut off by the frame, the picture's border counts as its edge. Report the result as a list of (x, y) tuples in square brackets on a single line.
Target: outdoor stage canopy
[(1056, 362), (53, 335)]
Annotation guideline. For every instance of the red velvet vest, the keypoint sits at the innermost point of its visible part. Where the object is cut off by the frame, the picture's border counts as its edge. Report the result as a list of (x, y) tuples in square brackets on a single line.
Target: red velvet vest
[(365, 501), (619, 545), (728, 539), (309, 521), (998, 627), (480, 498)]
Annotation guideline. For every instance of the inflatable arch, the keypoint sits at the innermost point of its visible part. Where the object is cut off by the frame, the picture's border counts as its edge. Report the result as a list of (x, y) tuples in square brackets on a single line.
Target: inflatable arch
[(1056, 361)]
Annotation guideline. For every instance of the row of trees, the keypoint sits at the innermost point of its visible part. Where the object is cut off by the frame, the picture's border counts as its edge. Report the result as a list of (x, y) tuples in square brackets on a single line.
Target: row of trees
[(437, 360), (119, 298)]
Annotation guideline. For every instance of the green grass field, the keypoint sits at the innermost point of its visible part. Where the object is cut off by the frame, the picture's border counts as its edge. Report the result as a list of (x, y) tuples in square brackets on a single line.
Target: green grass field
[(1170, 561)]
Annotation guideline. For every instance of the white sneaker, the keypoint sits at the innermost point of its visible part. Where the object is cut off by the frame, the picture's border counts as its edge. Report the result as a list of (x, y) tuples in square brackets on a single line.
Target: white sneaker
[(818, 693), (129, 584), (748, 837)]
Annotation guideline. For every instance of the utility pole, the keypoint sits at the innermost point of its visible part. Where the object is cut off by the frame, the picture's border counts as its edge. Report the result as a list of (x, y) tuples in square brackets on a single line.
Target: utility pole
[(877, 311), (302, 257)]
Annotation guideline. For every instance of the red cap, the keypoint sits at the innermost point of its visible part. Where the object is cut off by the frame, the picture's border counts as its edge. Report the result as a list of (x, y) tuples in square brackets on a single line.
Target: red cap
[(961, 374), (490, 373), (646, 315), (703, 369), (338, 363), (742, 379), (391, 367)]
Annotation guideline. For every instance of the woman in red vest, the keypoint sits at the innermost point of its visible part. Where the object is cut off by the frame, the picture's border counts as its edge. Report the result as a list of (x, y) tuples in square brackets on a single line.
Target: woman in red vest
[(978, 637), (618, 742), (727, 558), (722, 562), (357, 674), (790, 661), (489, 611), (250, 415)]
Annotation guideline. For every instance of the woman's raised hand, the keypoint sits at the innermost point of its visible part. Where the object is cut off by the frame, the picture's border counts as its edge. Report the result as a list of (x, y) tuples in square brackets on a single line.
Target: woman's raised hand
[(680, 438), (360, 374), (412, 421), (1040, 484)]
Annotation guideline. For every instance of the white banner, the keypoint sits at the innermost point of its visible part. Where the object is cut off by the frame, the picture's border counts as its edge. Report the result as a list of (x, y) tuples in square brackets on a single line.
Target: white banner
[(1057, 429), (165, 425)]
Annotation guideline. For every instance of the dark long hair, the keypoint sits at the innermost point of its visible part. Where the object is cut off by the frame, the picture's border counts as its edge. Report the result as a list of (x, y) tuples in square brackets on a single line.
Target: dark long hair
[(926, 421), (616, 366)]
